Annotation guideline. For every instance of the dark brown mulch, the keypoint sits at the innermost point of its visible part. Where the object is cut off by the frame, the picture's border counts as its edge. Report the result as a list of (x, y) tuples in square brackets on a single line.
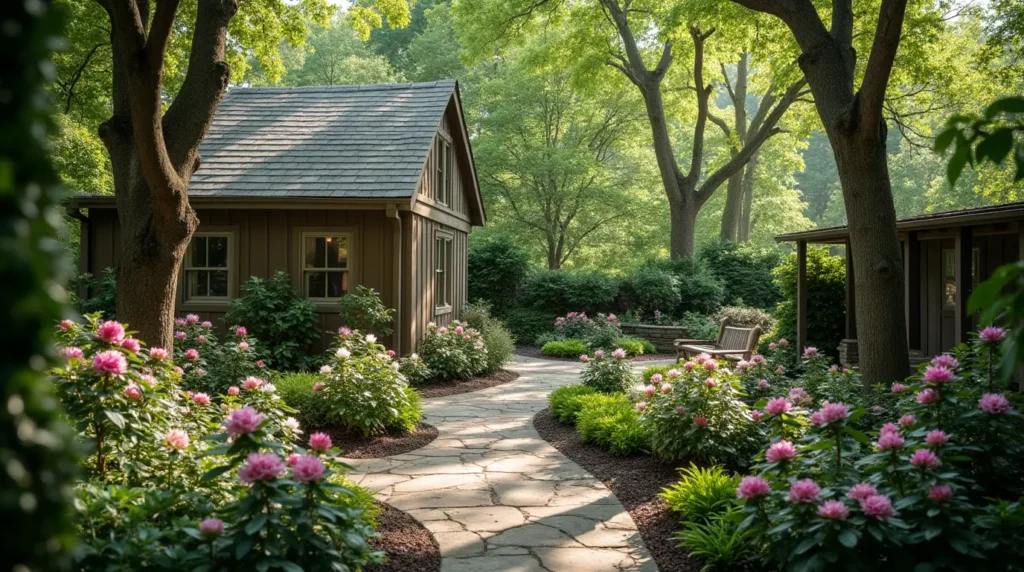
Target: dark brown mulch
[(636, 481), (534, 352), (355, 445), (408, 545), (455, 386)]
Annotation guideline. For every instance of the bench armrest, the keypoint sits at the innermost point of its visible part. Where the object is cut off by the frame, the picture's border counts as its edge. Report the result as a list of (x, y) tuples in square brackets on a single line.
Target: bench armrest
[(681, 342)]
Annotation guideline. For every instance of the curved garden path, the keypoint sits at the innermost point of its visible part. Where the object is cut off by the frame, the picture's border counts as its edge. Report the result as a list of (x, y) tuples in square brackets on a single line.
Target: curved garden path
[(498, 497)]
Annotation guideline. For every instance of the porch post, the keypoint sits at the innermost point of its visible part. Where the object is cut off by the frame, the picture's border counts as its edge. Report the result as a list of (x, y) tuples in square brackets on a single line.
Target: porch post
[(801, 296), (964, 247), (851, 296), (912, 292)]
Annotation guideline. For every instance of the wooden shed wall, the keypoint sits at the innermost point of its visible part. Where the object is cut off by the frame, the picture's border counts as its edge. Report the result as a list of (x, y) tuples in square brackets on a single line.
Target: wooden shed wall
[(420, 280), (267, 241), (460, 205)]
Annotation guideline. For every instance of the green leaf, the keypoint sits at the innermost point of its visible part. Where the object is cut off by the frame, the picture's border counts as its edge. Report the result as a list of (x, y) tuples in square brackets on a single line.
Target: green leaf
[(115, 418), (805, 545), (256, 524), (959, 160), (214, 473), (995, 146), (945, 139), (1005, 105), (848, 538)]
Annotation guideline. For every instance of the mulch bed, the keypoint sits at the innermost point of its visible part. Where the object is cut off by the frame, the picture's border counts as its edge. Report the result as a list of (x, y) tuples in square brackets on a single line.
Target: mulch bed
[(409, 546), (534, 352), (355, 445), (456, 386), (636, 482)]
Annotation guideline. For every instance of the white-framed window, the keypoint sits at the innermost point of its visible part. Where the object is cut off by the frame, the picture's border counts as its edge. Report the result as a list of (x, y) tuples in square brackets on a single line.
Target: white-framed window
[(444, 280), (442, 171), (208, 266), (325, 264)]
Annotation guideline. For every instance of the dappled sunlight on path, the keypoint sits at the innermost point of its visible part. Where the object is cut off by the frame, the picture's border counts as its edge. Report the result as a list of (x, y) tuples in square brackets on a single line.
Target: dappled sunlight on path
[(499, 498)]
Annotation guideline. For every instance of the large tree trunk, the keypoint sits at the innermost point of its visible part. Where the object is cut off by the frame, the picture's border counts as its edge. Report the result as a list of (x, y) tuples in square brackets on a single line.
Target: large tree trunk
[(684, 226), (746, 218), (733, 212)]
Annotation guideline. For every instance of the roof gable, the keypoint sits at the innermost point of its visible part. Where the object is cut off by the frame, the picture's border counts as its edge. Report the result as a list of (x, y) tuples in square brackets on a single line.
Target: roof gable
[(368, 141)]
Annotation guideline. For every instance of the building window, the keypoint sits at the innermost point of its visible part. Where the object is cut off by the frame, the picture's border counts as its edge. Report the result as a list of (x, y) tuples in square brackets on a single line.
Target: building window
[(949, 275), (208, 266), (444, 281), (442, 171), (325, 265)]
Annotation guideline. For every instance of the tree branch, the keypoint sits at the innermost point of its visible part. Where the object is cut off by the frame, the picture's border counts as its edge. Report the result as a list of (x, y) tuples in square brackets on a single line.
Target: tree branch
[(842, 23), (160, 34), (721, 124), (871, 96), (703, 93)]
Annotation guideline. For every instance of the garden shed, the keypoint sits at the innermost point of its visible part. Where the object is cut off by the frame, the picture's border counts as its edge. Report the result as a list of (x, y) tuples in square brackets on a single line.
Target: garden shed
[(944, 256), (337, 186)]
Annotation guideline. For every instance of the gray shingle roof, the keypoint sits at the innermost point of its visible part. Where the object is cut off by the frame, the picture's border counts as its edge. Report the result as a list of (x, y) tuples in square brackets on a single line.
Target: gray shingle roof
[(364, 141)]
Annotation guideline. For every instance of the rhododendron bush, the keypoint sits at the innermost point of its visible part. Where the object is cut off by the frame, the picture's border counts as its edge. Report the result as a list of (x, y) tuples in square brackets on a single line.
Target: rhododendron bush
[(455, 351), (607, 372), (196, 480), (212, 366)]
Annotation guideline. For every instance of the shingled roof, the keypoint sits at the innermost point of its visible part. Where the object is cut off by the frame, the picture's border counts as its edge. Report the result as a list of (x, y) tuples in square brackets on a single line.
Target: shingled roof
[(360, 141)]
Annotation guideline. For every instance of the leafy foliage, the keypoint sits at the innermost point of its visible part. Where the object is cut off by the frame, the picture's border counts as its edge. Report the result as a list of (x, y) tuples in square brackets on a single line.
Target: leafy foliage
[(744, 317), (745, 272), (363, 310), (101, 294), (699, 326), (214, 366), (654, 289), (991, 138), (826, 298), (721, 542), (496, 270), (296, 389), (501, 347), (562, 292), (566, 402), (286, 322), (611, 422), (565, 348), (607, 372), (635, 346), (455, 351), (527, 325), (701, 493)]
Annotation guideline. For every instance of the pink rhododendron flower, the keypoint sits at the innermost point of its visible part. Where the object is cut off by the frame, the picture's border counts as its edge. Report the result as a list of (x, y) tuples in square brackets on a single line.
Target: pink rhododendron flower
[(777, 406), (710, 365), (319, 441), (178, 370), (887, 441), (619, 353), (179, 335), (649, 390), (599, 354), (756, 359), (907, 420), (832, 412), (191, 319), (810, 351), (308, 469), (233, 390), (752, 487), (994, 404), (656, 378), (861, 491), (780, 451), (466, 338), (773, 345), (131, 344), (65, 325), (459, 330), (243, 346), (877, 408), (780, 370), (260, 363), (700, 420), (612, 317), (798, 394), (805, 490), (666, 388), (180, 322), (762, 383), (292, 459), (924, 459), (191, 353), (148, 379), (710, 382), (132, 391), (742, 364), (201, 398), (261, 467), (251, 382), (898, 388), (111, 332), (946, 361), (926, 396), (701, 357), (833, 510), (992, 334), (641, 406), (207, 324), (109, 362), (755, 415), (680, 409), (936, 438), (241, 331), (200, 371), (878, 506), (177, 439), (817, 418), (783, 342), (71, 352), (442, 330), (688, 366), (157, 353), (391, 353), (937, 374), (674, 373), (940, 493), (243, 421), (345, 332), (318, 386), (201, 339), (211, 528)]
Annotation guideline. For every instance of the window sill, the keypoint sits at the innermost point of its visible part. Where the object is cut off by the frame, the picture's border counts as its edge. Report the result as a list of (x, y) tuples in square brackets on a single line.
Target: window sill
[(211, 305)]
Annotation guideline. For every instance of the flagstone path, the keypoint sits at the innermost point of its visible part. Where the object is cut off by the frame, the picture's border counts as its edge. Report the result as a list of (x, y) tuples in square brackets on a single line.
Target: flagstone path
[(496, 496)]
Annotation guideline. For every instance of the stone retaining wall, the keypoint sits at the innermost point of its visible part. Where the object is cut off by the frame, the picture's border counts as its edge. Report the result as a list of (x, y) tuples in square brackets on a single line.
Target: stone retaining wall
[(662, 337)]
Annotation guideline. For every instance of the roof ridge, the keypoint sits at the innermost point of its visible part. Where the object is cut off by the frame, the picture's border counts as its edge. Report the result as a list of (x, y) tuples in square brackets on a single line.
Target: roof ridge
[(442, 83)]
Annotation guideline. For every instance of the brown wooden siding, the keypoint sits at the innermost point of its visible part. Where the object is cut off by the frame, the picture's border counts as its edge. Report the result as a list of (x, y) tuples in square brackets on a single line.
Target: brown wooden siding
[(460, 205), (421, 277)]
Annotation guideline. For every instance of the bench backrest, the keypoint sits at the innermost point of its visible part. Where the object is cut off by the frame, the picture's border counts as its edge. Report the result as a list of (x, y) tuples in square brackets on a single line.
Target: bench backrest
[(735, 338)]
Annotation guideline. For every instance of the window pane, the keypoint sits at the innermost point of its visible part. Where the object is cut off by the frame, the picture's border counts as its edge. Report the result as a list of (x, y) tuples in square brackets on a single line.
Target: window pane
[(316, 284), (217, 254), (219, 283), (337, 284), (198, 251), (199, 282), (337, 252), (310, 260)]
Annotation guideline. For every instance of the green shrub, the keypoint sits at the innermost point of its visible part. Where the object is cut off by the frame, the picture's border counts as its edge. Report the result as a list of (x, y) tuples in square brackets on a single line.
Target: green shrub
[(699, 326), (296, 389), (565, 348), (361, 499), (501, 346), (101, 294), (363, 310), (744, 317), (654, 369), (701, 493), (636, 346), (745, 271), (561, 291), (414, 369), (655, 289), (496, 269), (543, 339), (527, 325), (285, 321), (699, 289), (826, 299), (364, 392), (608, 372), (611, 422), (720, 543), (565, 402), (453, 352), (216, 366)]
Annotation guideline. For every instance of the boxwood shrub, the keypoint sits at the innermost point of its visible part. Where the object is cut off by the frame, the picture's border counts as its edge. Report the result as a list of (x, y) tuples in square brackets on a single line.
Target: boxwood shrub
[(565, 348), (565, 402), (612, 422)]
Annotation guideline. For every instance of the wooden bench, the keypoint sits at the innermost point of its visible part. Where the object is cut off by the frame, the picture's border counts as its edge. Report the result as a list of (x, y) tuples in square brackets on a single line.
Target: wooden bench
[(733, 344)]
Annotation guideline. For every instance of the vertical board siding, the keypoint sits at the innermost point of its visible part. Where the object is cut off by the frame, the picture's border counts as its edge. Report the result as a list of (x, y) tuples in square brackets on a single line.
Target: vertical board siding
[(422, 281), (426, 184)]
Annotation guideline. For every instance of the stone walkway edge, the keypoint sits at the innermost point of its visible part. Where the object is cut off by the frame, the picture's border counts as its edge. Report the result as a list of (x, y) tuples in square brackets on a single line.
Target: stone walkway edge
[(496, 496)]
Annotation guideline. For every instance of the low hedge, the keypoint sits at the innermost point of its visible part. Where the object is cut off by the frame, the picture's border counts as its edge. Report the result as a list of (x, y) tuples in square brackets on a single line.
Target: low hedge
[(565, 348), (612, 422), (565, 402), (296, 389), (636, 346)]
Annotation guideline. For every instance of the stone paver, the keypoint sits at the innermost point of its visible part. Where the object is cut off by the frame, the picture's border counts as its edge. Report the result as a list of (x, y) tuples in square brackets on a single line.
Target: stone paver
[(499, 498)]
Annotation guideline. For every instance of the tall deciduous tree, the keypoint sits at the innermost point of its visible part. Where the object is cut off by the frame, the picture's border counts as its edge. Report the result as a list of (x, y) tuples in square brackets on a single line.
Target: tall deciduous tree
[(154, 152), (852, 118)]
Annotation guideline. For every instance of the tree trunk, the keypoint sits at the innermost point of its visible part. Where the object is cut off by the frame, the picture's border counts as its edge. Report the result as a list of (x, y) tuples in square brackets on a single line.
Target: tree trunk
[(877, 260), (748, 198), (733, 208), (684, 225)]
